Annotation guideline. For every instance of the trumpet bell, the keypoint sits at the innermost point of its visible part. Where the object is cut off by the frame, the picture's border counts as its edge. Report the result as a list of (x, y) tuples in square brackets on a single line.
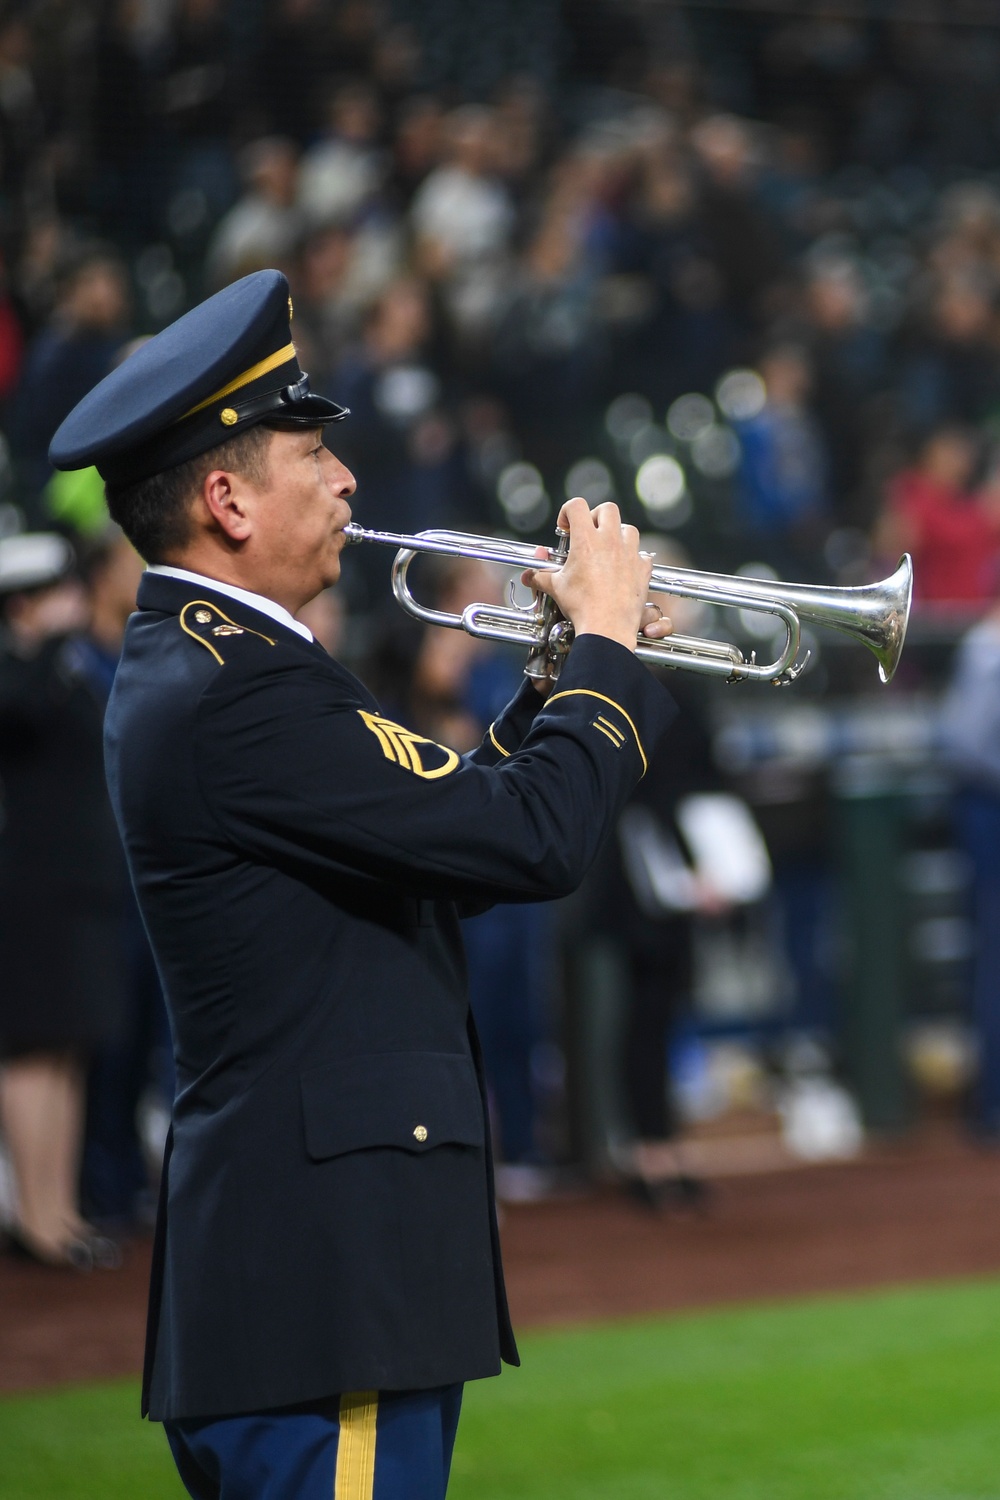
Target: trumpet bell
[(874, 614), (882, 612)]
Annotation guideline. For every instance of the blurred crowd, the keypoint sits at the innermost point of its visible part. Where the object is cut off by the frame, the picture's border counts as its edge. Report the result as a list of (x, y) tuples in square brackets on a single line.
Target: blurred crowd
[(739, 273), (542, 250)]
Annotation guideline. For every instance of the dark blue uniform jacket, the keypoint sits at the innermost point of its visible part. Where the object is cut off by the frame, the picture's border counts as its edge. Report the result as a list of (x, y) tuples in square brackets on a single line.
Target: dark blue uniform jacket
[(327, 1219)]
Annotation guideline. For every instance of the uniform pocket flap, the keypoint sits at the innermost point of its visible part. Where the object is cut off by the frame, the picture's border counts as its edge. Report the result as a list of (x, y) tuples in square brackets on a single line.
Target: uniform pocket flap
[(412, 1100)]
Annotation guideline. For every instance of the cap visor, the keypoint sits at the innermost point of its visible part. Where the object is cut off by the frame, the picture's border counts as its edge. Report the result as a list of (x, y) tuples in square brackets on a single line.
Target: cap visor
[(309, 411)]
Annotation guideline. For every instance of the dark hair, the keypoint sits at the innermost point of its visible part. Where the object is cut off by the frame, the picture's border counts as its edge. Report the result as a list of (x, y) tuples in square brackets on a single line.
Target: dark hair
[(154, 512)]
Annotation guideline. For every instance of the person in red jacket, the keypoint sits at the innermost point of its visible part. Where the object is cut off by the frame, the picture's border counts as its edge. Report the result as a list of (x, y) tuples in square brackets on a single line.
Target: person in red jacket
[(952, 532)]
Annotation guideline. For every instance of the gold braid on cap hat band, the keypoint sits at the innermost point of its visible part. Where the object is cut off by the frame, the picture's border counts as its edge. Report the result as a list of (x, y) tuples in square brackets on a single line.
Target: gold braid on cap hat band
[(262, 367)]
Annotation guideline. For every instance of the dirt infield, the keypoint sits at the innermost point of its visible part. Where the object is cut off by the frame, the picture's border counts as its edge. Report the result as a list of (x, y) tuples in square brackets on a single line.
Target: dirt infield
[(926, 1209)]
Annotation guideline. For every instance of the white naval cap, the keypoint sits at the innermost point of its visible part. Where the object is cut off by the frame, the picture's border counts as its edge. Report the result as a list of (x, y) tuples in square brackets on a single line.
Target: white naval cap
[(33, 559)]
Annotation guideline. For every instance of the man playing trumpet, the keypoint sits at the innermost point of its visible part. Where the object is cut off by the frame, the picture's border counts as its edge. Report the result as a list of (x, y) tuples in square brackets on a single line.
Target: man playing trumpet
[(326, 1271)]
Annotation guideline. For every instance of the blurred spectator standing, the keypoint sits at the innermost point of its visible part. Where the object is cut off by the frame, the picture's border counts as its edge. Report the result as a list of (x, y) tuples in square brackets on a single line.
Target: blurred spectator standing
[(462, 220), (741, 236), (461, 684), (398, 436), (72, 353), (341, 171), (953, 533), (135, 1060), (951, 367), (262, 227), (62, 891), (547, 348), (970, 729), (341, 184), (74, 498), (645, 896), (326, 317), (416, 148), (850, 367), (783, 481), (687, 332)]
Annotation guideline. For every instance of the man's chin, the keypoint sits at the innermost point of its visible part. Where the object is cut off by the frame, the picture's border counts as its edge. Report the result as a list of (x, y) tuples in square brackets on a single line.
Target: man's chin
[(331, 574)]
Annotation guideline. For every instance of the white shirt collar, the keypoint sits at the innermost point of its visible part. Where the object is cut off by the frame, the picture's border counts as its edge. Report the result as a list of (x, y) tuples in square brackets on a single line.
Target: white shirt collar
[(255, 601)]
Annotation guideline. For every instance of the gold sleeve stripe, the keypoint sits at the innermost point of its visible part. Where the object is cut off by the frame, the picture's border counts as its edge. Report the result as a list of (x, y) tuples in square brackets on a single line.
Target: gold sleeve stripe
[(262, 367), (613, 728), (590, 693), (497, 745), (355, 1478), (608, 735)]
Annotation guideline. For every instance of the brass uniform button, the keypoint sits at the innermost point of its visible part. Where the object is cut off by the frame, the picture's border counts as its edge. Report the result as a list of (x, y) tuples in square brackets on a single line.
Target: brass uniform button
[(420, 1133), (228, 417), (203, 616)]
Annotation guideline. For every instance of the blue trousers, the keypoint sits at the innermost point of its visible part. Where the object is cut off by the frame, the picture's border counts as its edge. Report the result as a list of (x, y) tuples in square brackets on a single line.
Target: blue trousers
[(365, 1445)]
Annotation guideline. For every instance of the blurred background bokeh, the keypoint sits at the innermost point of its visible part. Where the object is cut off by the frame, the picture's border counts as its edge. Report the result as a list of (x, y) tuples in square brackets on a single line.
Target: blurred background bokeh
[(736, 268)]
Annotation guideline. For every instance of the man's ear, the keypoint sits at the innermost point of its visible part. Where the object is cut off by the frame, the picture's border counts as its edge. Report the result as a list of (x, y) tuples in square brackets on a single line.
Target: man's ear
[(224, 500)]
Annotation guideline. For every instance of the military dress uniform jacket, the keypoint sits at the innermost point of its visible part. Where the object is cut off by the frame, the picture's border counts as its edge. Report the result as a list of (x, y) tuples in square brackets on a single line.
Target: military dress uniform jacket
[(327, 1219)]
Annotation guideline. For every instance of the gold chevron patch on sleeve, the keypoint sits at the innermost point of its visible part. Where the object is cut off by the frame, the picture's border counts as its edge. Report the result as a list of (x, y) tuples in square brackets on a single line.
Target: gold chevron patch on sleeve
[(405, 748)]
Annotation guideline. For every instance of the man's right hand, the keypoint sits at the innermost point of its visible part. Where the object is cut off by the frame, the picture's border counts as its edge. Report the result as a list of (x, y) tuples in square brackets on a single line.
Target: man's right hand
[(603, 585)]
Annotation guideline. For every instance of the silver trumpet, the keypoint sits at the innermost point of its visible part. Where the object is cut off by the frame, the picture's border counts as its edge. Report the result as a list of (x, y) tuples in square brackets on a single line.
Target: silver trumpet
[(874, 614)]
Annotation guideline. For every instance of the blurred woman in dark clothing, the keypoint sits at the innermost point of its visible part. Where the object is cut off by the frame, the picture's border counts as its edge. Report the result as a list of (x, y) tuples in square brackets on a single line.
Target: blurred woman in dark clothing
[(62, 879), (644, 895), (133, 1064), (658, 937)]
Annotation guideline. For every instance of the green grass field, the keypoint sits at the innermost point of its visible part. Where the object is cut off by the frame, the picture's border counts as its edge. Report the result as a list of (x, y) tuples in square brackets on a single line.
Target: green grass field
[(887, 1396)]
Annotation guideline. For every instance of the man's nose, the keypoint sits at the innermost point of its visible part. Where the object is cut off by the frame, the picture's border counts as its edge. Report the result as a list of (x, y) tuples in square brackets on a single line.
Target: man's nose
[(341, 480)]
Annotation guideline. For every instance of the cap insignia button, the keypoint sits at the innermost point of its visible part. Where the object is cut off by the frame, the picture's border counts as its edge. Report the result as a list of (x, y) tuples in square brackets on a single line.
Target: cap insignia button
[(227, 416), (420, 1133), (203, 616)]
